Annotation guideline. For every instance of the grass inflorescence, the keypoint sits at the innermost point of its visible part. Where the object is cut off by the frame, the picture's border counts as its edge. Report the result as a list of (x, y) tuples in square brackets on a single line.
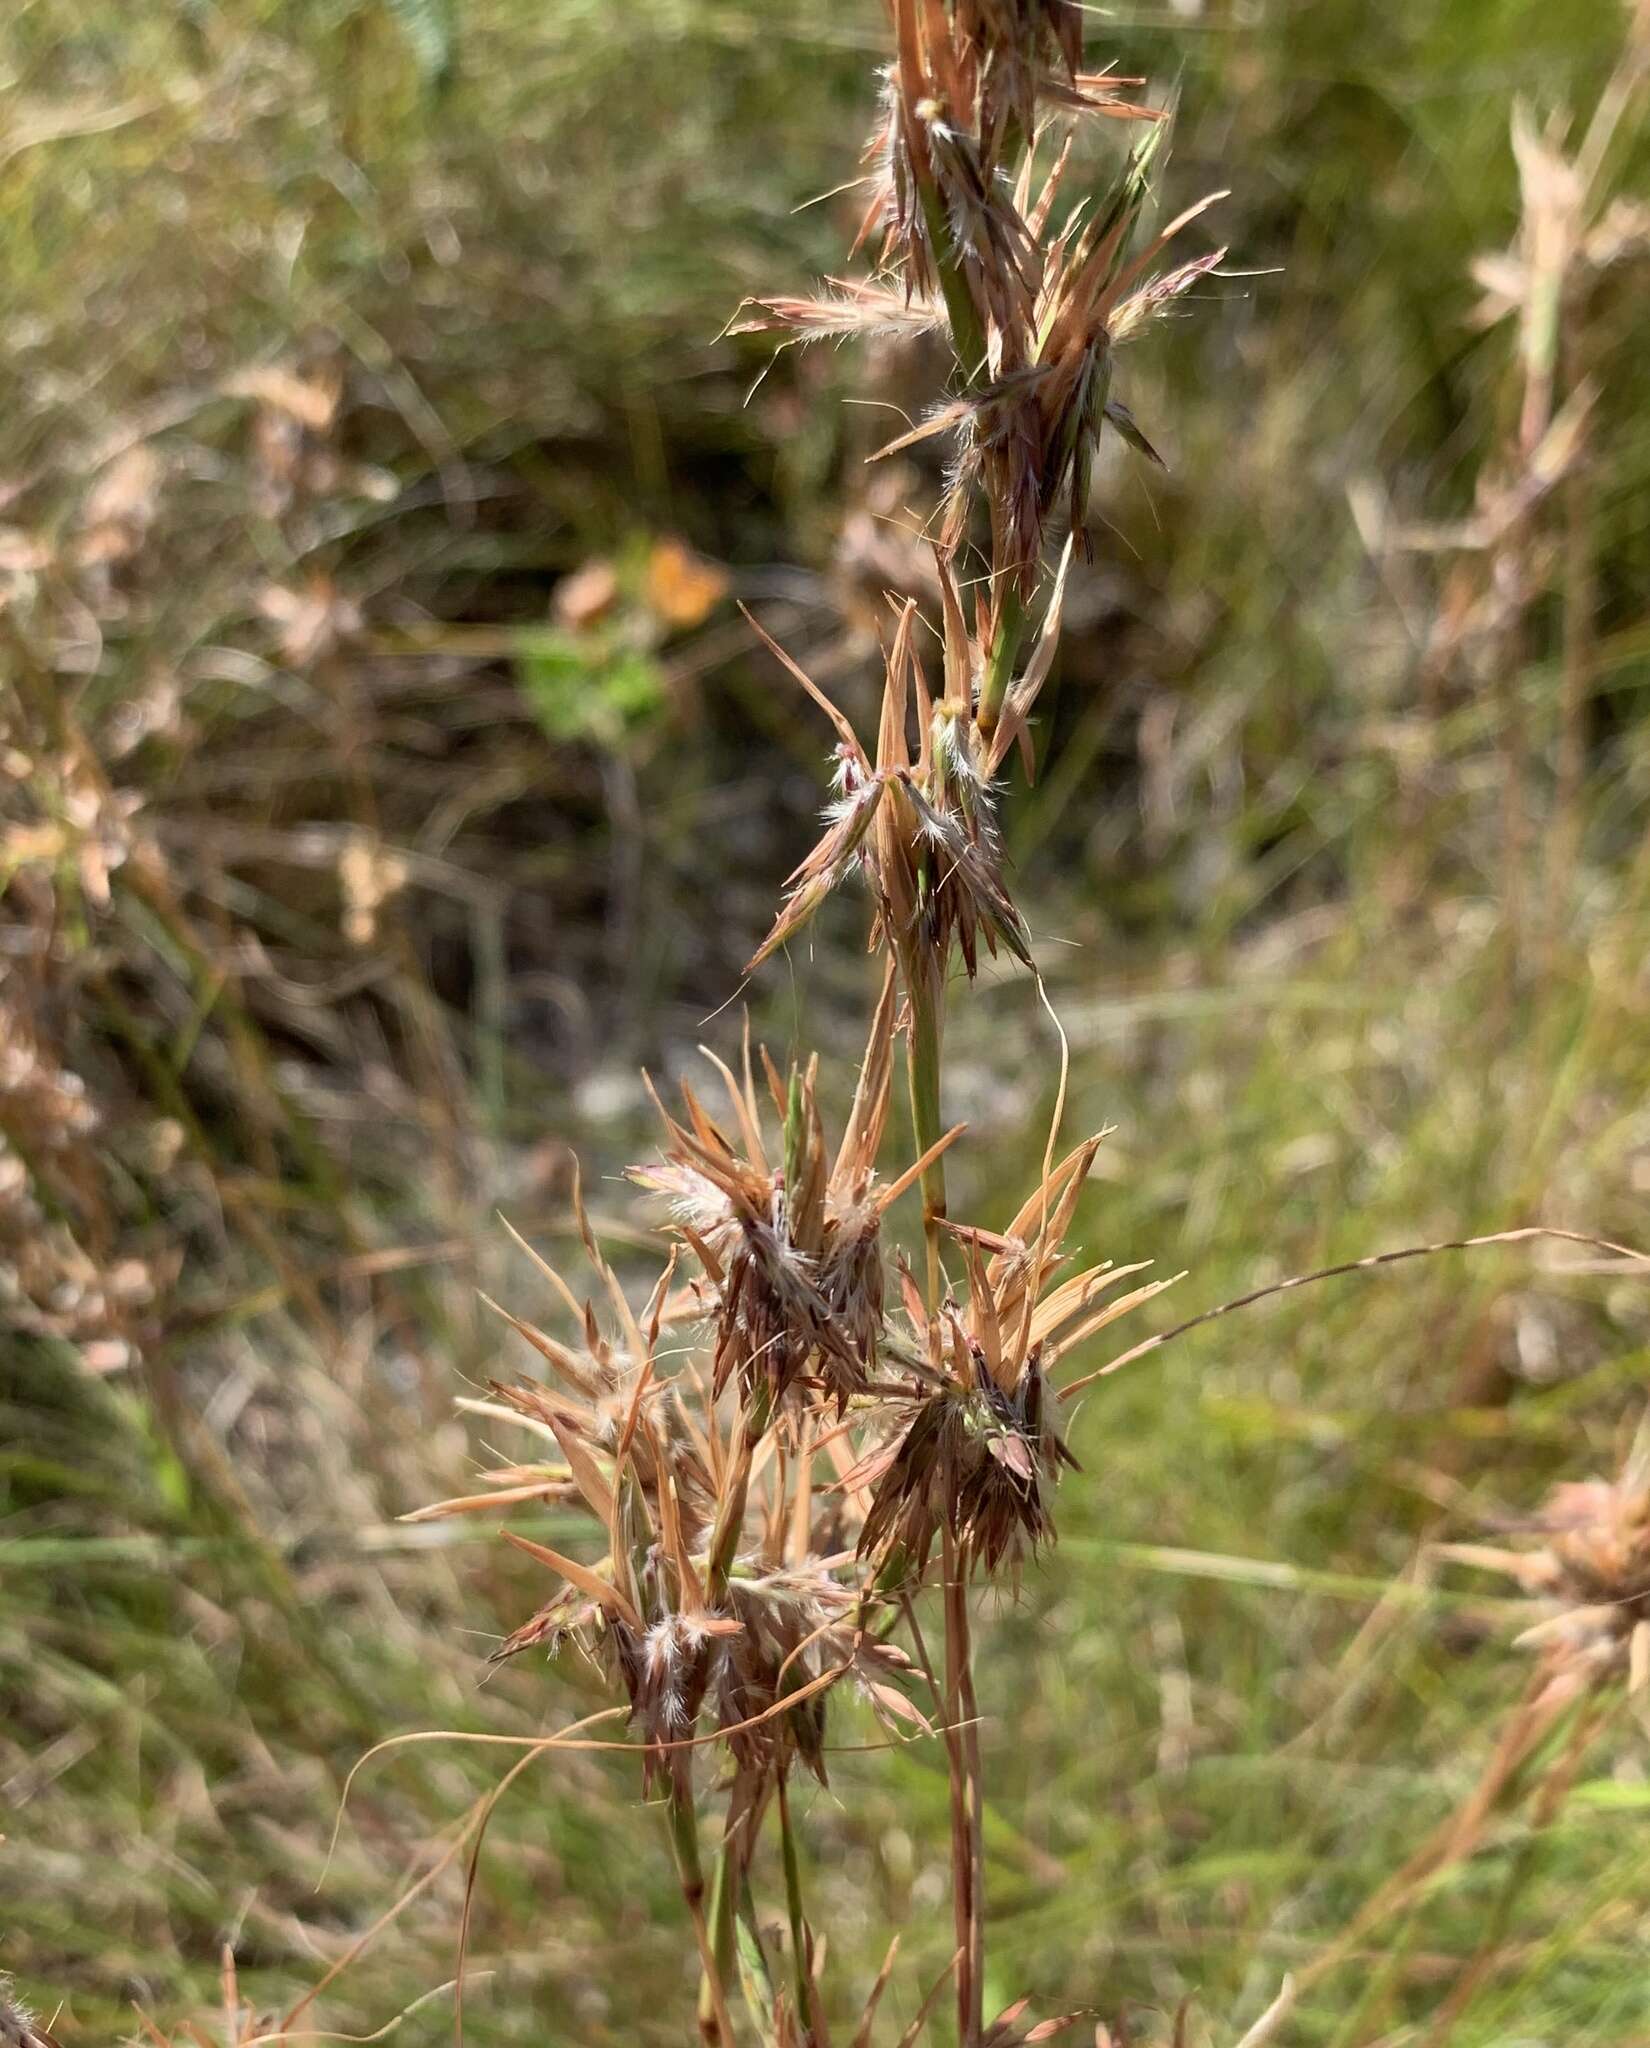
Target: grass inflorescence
[(328, 833)]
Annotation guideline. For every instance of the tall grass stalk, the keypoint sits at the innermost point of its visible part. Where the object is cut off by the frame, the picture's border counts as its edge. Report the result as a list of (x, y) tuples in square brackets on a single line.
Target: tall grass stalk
[(849, 1437), (849, 1448)]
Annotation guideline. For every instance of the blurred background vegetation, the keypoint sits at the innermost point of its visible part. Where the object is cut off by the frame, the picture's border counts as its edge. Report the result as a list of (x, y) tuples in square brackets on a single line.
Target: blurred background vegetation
[(386, 776)]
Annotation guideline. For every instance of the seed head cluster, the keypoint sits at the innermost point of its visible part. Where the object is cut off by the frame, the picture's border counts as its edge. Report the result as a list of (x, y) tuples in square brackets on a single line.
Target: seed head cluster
[(753, 1491), (1584, 1560), (796, 1437)]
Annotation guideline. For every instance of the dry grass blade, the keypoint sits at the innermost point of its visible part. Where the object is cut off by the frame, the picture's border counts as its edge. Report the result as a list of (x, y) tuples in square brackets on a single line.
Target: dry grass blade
[(602, 1591), (484, 1503), (1524, 1235), (914, 2031), (862, 2033), (1271, 2021)]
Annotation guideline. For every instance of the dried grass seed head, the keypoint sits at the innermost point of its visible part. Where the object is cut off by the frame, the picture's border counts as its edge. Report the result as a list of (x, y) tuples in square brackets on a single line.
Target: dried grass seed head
[(1585, 1560), (1028, 431), (787, 1237), (18, 2026), (920, 823), (979, 1449), (713, 1606)]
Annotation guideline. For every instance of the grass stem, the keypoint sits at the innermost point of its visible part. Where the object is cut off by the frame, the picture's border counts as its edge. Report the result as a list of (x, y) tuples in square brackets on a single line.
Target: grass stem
[(716, 2027), (967, 335), (926, 990), (794, 1909), (1005, 651), (724, 1898), (967, 1790)]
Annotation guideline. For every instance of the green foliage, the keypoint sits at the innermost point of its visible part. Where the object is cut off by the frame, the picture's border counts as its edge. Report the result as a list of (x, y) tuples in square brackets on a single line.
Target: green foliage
[(590, 685)]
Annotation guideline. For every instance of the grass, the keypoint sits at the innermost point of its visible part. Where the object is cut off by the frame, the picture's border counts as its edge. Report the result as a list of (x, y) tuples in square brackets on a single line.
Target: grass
[(1213, 1730)]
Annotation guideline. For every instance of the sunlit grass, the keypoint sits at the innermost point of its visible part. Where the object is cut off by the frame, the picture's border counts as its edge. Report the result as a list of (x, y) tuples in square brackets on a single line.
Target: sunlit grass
[(1213, 1728)]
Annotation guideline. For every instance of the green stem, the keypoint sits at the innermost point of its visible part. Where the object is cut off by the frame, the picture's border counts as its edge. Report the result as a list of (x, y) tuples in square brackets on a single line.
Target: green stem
[(967, 1799), (798, 1919), (724, 1897), (730, 1516), (967, 334), (925, 988), (717, 2031), (755, 1977), (684, 1840), (1005, 649)]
